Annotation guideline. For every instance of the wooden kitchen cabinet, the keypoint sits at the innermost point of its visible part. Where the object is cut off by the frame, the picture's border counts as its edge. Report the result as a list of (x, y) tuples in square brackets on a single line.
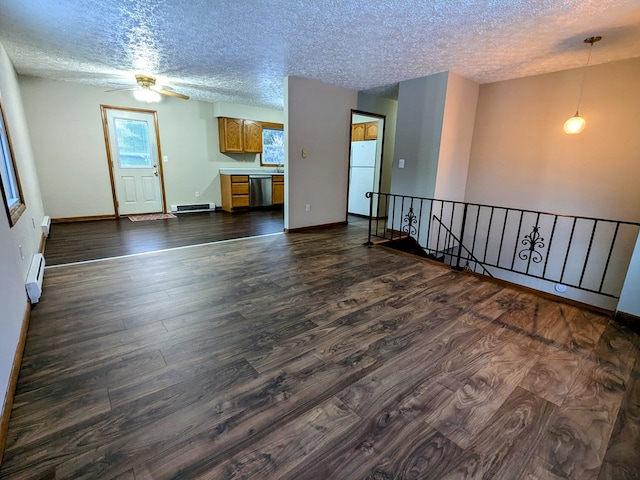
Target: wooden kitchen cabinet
[(252, 136), (277, 189), (357, 132), (239, 136), (230, 131), (364, 131), (371, 131), (235, 191)]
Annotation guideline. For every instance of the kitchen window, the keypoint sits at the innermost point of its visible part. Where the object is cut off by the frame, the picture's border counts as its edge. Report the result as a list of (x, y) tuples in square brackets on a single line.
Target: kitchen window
[(272, 144), (11, 191)]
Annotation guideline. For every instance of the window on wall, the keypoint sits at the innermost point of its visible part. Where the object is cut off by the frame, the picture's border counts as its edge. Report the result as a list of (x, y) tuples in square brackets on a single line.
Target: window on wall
[(11, 191), (272, 144), (132, 138)]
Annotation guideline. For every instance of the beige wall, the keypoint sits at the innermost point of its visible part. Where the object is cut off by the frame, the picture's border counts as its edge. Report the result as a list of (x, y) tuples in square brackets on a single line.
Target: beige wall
[(455, 141), (68, 143), (26, 233), (318, 121), (521, 157)]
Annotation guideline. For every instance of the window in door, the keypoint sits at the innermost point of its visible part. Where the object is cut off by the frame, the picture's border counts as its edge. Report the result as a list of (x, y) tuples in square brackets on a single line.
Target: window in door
[(132, 138), (272, 144), (11, 190)]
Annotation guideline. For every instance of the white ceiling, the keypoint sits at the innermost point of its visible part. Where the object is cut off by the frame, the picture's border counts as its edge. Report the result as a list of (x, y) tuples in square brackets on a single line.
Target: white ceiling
[(239, 50)]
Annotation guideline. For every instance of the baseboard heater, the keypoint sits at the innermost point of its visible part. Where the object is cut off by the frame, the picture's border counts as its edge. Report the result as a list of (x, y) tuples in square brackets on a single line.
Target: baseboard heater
[(34, 278), (196, 207), (46, 225)]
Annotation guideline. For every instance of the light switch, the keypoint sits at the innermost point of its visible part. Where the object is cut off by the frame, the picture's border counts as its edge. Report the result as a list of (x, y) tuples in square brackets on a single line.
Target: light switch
[(401, 163), (165, 158)]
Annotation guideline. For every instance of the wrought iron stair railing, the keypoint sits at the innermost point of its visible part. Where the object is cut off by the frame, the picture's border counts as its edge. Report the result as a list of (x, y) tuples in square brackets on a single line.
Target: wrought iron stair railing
[(584, 253), (456, 253)]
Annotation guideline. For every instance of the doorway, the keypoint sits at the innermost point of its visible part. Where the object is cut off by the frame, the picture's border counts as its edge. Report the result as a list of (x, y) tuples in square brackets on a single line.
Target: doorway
[(133, 152), (365, 160)]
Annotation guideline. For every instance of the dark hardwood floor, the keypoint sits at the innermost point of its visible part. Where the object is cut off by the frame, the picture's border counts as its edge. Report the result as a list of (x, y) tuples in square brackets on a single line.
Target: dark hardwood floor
[(310, 356), (81, 241)]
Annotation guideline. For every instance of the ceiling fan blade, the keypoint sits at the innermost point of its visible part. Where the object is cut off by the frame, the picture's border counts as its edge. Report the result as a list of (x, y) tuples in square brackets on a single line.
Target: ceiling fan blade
[(122, 89), (170, 93)]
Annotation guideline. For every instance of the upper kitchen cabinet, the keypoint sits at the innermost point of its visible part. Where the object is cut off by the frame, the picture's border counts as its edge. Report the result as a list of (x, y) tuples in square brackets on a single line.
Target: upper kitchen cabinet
[(252, 136), (239, 136), (364, 131), (230, 131), (357, 132), (371, 131)]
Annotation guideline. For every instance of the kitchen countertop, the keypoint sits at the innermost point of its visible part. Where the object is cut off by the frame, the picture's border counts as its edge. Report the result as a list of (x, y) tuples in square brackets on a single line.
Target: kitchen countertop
[(250, 171)]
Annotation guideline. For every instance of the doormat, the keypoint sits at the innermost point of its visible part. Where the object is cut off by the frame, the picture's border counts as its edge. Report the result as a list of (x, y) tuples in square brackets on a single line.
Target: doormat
[(153, 216)]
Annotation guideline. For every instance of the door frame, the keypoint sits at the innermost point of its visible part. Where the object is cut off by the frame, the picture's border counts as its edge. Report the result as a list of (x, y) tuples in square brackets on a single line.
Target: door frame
[(105, 129), (380, 137)]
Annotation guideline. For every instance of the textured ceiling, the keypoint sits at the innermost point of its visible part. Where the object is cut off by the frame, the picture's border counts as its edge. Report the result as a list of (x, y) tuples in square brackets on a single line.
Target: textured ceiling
[(239, 50)]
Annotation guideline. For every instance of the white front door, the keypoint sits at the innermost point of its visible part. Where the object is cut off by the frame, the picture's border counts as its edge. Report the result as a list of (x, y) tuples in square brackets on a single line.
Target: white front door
[(135, 162)]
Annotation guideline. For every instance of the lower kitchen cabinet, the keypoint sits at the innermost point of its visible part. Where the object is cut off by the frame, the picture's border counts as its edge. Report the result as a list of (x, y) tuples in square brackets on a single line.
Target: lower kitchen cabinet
[(235, 191), (277, 189)]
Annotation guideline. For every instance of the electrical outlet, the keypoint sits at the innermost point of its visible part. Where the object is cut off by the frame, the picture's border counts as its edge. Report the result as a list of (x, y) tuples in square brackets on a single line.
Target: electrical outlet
[(307, 208), (401, 163), (197, 194), (21, 252)]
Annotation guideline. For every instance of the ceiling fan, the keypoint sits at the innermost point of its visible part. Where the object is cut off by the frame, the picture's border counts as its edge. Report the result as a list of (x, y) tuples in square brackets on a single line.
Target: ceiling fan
[(148, 91)]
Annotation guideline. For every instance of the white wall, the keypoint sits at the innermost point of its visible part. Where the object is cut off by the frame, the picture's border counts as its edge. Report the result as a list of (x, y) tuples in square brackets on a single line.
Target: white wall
[(521, 157), (318, 121), (457, 133), (68, 143), (14, 268), (249, 112)]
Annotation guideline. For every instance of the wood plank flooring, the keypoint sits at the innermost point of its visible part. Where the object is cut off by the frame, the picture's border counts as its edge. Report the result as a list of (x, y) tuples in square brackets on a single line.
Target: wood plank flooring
[(81, 241), (311, 356)]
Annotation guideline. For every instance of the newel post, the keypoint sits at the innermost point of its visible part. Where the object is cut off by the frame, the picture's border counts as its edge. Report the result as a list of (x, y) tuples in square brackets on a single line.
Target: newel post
[(369, 195)]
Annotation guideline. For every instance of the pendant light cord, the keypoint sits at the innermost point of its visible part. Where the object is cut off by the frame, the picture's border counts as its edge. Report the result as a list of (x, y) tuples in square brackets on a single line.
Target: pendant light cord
[(584, 75)]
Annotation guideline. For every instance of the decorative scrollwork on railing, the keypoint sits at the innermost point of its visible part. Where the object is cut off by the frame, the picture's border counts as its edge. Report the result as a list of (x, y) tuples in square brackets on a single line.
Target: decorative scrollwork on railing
[(410, 220), (533, 240)]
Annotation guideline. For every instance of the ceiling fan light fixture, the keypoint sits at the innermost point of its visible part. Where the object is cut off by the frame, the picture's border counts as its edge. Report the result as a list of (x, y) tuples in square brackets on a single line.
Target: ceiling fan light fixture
[(147, 95), (576, 123)]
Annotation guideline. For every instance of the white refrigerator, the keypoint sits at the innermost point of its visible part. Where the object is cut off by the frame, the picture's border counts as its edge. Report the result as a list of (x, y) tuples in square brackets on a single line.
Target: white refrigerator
[(361, 175)]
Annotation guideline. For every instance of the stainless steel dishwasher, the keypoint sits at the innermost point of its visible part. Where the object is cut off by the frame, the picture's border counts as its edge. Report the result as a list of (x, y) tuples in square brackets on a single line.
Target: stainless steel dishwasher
[(260, 190)]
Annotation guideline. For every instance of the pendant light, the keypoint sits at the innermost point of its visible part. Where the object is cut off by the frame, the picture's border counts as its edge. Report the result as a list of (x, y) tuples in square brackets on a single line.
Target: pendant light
[(576, 123)]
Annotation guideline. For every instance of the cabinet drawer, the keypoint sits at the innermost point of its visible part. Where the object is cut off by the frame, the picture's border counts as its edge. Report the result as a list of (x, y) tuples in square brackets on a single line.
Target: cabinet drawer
[(240, 200), (239, 189), (277, 179), (240, 179)]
